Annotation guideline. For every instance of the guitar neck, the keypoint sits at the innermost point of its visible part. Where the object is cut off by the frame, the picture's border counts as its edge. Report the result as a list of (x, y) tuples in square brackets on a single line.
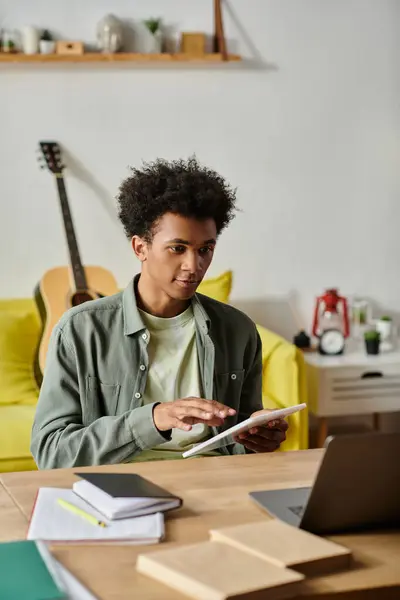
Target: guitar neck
[(78, 271)]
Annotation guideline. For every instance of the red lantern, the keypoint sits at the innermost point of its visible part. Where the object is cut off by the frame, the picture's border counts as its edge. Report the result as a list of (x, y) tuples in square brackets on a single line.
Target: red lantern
[(331, 312)]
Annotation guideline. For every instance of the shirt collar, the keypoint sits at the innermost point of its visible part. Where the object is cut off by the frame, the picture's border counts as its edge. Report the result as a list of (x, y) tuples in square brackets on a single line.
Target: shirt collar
[(200, 316), (133, 321)]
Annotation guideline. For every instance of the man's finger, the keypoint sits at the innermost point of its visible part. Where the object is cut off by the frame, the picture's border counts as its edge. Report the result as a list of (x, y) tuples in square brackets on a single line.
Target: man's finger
[(275, 435), (221, 410), (213, 422), (188, 411), (191, 414), (178, 424), (262, 441), (212, 406), (278, 424), (264, 447)]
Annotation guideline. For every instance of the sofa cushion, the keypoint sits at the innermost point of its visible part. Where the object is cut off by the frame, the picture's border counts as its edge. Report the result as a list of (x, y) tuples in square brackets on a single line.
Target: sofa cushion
[(19, 335), (15, 435), (218, 288)]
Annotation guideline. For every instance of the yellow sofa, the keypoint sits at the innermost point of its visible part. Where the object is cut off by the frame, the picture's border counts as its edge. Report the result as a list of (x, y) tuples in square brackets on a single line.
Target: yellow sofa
[(283, 376)]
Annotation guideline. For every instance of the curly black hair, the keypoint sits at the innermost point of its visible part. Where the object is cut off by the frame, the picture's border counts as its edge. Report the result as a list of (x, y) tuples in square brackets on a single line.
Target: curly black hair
[(182, 187)]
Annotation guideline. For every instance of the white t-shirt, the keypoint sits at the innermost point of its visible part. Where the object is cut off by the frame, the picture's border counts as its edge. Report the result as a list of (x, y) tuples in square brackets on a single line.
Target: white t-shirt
[(174, 370)]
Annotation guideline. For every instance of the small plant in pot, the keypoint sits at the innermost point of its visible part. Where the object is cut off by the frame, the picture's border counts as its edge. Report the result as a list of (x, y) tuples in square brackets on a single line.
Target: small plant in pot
[(372, 341), (46, 43)]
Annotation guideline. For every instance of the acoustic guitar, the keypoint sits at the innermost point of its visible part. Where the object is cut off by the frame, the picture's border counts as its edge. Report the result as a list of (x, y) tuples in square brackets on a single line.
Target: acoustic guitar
[(62, 288)]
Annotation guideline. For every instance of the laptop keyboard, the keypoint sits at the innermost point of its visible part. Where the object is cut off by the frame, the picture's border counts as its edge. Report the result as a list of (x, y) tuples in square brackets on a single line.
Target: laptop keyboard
[(297, 510)]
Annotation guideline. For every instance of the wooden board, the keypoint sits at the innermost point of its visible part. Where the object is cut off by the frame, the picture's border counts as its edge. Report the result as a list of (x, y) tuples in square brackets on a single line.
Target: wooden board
[(218, 572), (286, 546), (118, 57)]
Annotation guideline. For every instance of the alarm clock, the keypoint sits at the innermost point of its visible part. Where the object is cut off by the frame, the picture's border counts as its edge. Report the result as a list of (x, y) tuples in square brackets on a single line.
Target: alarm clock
[(331, 342)]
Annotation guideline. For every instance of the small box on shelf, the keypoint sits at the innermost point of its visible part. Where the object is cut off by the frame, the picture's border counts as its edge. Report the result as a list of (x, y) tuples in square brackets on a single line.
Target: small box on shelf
[(68, 47), (193, 43)]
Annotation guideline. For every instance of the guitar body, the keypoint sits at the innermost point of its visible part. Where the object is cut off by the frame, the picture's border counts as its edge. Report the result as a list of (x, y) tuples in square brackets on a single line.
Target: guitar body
[(54, 295)]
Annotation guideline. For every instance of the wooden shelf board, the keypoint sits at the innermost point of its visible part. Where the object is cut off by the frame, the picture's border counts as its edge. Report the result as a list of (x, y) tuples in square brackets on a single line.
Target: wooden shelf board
[(97, 57)]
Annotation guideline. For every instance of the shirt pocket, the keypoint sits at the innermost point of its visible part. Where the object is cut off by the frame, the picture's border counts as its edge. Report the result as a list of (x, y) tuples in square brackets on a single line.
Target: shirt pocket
[(101, 400), (229, 387)]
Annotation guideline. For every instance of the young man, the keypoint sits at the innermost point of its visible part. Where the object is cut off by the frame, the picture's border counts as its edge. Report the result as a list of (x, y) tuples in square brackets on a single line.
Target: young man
[(148, 372)]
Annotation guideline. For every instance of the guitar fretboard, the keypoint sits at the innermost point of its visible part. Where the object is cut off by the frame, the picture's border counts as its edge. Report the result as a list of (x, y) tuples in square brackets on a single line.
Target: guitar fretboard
[(75, 259)]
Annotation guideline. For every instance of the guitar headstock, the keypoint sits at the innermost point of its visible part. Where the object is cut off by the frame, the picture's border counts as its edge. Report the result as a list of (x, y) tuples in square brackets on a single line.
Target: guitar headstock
[(51, 155)]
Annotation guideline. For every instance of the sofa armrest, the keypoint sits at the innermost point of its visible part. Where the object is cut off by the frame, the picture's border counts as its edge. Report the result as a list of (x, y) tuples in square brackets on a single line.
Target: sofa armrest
[(284, 384)]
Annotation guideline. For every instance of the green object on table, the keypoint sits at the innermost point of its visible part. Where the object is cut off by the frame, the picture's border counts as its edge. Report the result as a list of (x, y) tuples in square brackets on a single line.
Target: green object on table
[(24, 575)]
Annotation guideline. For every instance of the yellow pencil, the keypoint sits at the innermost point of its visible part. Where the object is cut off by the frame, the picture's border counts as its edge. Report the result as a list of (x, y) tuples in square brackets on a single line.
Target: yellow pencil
[(80, 512)]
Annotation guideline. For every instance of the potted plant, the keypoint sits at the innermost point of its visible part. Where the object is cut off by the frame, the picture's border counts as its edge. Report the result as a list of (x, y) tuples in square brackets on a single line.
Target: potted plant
[(372, 341), (46, 43), (7, 42), (154, 43)]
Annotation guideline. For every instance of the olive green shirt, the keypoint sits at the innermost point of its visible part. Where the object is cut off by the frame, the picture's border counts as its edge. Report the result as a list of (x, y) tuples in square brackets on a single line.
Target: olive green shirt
[(90, 409)]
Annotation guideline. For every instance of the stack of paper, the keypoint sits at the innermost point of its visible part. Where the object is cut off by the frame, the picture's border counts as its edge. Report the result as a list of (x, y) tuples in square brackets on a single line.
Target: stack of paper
[(50, 521)]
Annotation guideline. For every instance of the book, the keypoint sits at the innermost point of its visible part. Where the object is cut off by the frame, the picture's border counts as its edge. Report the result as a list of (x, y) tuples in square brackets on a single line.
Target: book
[(122, 495), (286, 546), (52, 523), (225, 438), (217, 571), (24, 574)]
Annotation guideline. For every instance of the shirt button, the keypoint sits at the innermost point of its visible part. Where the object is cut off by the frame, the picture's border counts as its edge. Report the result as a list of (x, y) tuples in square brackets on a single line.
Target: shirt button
[(142, 367), (233, 376), (138, 395), (144, 336)]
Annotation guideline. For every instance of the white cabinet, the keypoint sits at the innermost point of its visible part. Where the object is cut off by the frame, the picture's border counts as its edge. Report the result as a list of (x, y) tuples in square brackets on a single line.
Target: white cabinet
[(352, 384)]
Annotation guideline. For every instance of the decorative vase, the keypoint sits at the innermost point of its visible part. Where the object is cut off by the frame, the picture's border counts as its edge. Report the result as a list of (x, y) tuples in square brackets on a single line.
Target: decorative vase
[(110, 34), (30, 39), (385, 329), (154, 42), (360, 315)]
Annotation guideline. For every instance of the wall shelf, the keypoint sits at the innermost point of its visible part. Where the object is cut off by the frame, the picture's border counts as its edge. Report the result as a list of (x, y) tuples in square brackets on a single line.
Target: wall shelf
[(119, 57)]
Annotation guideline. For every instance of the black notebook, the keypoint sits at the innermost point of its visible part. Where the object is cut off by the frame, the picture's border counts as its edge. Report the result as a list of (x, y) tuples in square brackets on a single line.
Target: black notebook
[(124, 495)]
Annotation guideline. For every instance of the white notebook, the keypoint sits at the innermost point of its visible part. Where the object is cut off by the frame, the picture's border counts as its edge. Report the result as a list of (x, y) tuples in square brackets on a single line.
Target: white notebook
[(122, 495), (52, 522)]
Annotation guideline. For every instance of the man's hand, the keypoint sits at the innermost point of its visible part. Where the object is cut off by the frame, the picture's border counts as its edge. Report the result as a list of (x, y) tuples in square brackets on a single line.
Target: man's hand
[(182, 414), (264, 438)]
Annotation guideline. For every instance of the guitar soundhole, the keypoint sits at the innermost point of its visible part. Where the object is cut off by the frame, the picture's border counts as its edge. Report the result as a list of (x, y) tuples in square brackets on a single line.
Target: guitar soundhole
[(80, 298)]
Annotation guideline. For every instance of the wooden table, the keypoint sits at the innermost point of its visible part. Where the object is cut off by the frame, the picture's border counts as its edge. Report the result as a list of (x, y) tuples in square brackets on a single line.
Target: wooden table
[(215, 493)]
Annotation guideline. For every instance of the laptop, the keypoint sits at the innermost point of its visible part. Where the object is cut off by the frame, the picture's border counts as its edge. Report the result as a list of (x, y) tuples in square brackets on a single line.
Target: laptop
[(357, 487)]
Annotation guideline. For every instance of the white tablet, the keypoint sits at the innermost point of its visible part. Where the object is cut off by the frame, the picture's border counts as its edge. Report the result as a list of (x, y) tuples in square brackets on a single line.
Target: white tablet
[(220, 439)]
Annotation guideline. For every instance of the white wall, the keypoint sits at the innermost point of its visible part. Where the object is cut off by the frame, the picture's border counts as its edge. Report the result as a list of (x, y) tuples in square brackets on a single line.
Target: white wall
[(309, 133)]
